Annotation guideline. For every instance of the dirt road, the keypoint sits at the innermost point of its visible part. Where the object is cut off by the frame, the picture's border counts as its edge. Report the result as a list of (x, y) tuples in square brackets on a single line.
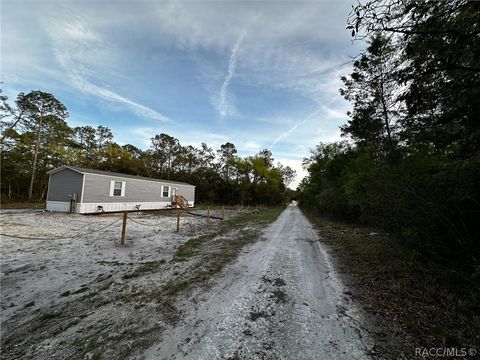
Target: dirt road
[(281, 299)]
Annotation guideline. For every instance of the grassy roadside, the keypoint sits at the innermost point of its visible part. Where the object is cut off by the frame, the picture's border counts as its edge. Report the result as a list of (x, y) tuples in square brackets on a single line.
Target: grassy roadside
[(208, 254), (422, 303)]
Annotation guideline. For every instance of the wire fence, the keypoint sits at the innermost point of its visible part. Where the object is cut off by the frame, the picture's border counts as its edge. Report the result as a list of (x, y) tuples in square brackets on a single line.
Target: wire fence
[(205, 215), (106, 227), (96, 231), (141, 223)]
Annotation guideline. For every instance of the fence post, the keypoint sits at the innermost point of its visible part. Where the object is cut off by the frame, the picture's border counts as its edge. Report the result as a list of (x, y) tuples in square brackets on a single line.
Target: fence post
[(223, 212), (124, 227), (178, 220), (208, 215)]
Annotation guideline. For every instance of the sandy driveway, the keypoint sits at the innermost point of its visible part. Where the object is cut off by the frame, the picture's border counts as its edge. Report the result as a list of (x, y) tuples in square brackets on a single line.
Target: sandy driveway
[(281, 299)]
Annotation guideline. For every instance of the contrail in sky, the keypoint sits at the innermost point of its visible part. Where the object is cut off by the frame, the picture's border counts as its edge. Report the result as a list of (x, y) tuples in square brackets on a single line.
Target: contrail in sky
[(293, 128), (223, 107)]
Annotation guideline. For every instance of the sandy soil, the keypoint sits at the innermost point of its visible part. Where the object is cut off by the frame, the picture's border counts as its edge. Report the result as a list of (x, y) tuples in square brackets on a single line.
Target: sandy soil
[(87, 297), (64, 278), (281, 299)]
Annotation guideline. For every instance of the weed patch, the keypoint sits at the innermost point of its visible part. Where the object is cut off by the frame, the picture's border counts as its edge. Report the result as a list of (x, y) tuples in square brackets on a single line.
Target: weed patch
[(213, 251), (81, 290), (255, 315), (145, 268), (47, 315)]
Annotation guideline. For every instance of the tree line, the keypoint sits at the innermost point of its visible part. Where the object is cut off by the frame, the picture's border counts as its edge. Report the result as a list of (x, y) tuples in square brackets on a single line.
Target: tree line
[(37, 138), (410, 161)]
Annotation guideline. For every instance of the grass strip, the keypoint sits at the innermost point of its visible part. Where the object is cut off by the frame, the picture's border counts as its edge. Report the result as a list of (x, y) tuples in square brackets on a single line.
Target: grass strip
[(210, 253)]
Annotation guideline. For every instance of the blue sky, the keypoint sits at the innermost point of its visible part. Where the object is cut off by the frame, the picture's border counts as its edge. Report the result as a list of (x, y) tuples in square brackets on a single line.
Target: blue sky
[(259, 74)]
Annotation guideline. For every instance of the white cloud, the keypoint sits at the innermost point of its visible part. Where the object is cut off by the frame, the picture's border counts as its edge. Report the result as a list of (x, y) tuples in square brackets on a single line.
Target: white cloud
[(333, 113), (142, 136), (251, 146), (295, 164), (138, 109), (82, 54), (288, 49)]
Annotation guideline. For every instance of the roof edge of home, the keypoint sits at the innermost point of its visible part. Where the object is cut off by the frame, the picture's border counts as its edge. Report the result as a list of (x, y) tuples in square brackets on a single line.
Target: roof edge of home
[(111, 173)]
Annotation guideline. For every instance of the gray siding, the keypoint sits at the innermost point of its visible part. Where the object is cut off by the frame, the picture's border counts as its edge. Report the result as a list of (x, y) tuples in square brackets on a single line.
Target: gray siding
[(97, 190), (188, 192), (63, 184)]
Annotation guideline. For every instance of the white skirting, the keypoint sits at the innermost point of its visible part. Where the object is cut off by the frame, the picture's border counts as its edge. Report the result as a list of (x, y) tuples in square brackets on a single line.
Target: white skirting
[(108, 207), (83, 208)]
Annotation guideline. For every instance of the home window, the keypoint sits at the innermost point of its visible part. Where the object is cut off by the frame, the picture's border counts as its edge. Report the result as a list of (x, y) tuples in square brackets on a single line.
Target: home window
[(117, 188), (166, 191)]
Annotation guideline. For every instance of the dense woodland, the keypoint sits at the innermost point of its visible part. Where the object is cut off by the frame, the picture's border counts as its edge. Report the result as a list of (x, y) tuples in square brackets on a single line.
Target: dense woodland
[(37, 138), (410, 162)]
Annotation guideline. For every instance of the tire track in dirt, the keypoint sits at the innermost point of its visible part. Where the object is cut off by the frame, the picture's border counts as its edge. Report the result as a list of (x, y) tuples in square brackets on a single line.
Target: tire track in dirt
[(281, 299)]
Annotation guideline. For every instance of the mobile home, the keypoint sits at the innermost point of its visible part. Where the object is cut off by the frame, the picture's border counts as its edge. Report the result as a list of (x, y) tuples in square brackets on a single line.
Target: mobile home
[(80, 190)]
